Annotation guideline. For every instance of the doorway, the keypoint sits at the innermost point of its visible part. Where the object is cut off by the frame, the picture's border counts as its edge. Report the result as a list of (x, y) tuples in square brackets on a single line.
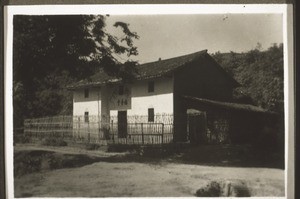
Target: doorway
[(122, 124), (197, 128)]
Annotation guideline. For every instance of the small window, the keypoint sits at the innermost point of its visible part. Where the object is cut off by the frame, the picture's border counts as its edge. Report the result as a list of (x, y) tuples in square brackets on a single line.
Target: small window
[(86, 117), (150, 86), (151, 115), (121, 90), (86, 93)]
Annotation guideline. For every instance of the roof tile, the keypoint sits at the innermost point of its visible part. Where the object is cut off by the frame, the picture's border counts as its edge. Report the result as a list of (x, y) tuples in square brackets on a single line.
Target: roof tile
[(144, 71)]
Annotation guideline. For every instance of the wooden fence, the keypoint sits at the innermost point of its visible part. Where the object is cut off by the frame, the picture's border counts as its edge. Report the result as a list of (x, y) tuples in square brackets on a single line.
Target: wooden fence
[(143, 133), (102, 130)]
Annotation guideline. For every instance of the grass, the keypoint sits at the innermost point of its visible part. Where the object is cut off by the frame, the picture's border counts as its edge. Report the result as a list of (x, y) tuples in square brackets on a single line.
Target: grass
[(26, 162), (50, 141)]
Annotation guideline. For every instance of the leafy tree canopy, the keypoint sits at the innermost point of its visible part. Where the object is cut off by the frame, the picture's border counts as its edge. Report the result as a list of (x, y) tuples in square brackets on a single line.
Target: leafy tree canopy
[(50, 52), (260, 72)]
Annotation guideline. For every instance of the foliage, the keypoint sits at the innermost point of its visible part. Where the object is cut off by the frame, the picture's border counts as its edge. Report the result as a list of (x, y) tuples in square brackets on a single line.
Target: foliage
[(225, 189), (21, 139), (52, 141), (106, 132), (213, 189), (24, 164), (31, 161), (259, 72), (51, 52), (91, 146)]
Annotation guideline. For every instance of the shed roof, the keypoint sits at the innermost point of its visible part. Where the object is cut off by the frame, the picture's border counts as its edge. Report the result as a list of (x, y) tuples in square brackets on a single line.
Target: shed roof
[(227, 105), (151, 70)]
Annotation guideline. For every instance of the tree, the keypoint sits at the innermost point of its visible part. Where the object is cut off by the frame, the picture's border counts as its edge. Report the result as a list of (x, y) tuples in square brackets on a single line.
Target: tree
[(50, 52), (260, 73)]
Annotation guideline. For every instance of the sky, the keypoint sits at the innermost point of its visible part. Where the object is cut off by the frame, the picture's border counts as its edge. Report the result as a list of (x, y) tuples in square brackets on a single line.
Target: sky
[(167, 36)]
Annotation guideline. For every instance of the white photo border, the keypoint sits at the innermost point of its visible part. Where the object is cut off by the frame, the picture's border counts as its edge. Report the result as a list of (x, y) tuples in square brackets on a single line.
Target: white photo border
[(155, 9)]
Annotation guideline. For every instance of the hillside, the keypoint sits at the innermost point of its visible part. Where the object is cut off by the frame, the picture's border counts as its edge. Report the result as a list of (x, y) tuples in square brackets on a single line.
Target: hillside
[(260, 73)]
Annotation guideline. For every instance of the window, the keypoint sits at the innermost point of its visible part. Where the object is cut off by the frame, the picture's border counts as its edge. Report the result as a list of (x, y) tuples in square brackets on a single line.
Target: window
[(151, 115), (86, 117), (86, 93), (150, 86), (121, 90)]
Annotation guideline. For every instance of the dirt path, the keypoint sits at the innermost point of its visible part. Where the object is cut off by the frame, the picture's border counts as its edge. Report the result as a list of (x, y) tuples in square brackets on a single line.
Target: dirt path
[(165, 179)]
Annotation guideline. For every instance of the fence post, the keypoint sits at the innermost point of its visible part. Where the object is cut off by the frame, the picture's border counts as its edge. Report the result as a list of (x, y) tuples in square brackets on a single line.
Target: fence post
[(126, 133), (78, 133), (112, 130), (89, 131), (142, 133), (99, 127), (36, 132), (162, 133)]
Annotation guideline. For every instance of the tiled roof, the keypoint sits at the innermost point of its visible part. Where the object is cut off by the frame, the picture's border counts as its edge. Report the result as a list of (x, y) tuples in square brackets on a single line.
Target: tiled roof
[(227, 105), (162, 67), (148, 70), (95, 80)]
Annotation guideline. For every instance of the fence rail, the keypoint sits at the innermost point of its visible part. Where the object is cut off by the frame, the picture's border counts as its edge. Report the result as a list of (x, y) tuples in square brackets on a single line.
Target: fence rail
[(143, 133), (101, 130)]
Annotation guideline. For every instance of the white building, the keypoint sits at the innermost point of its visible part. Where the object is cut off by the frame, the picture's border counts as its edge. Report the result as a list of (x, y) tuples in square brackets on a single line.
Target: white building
[(158, 89)]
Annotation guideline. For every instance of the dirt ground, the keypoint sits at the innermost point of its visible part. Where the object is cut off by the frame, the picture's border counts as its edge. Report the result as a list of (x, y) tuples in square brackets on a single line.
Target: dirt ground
[(104, 177)]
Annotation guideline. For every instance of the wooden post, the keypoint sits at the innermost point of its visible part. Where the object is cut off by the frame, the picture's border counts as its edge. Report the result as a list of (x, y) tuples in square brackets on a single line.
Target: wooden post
[(99, 121), (89, 131), (162, 133), (99, 127), (78, 127), (112, 130), (142, 134), (37, 132)]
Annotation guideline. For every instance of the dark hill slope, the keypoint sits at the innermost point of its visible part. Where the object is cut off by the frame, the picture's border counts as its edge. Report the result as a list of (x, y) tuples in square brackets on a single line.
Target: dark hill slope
[(260, 73)]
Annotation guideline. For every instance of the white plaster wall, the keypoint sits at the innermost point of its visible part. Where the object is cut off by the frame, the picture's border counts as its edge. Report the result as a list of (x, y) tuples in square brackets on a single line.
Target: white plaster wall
[(161, 99), (92, 104), (141, 100), (162, 104)]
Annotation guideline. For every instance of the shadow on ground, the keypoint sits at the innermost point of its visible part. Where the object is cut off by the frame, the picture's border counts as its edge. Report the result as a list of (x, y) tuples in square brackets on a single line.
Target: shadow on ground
[(211, 155), (235, 156), (30, 161)]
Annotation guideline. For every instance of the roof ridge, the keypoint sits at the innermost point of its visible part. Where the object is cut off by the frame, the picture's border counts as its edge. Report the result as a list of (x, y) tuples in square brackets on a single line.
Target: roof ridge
[(150, 70), (181, 56)]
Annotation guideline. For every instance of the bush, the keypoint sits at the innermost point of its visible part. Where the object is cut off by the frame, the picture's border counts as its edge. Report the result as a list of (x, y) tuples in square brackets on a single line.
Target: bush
[(220, 189), (213, 189), (32, 161), (21, 139), (26, 162), (106, 133), (54, 142), (89, 146), (123, 148)]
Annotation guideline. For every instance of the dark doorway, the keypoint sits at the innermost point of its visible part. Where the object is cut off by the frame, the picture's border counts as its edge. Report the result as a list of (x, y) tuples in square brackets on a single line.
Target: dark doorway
[(197, 128), (122, 124)]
